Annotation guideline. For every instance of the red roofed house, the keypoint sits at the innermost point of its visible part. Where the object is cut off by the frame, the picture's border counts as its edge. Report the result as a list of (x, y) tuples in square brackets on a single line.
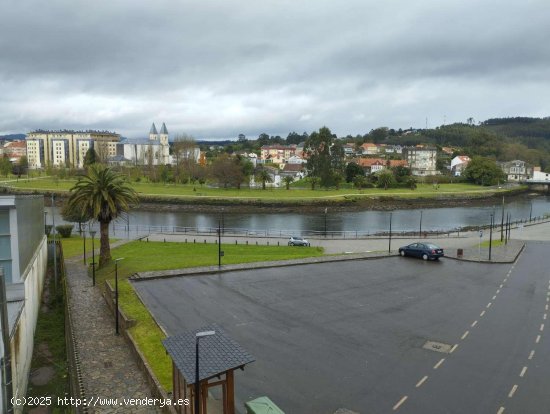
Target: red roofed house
[(459, 163)]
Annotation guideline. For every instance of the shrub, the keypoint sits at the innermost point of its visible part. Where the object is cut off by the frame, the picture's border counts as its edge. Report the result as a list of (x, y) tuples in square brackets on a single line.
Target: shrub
[(65, 230)]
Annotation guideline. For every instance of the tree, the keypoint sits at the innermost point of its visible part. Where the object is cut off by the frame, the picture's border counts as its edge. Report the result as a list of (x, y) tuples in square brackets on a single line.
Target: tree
[(105, 194), (401, 173), (264, 176), (385, 179), (359, 181), (483, 171), (353, 170), (288, 179), (5, 166), (227, 171), (183, 151), (76, 213), (90, 158), (320, 162), (411, 183)]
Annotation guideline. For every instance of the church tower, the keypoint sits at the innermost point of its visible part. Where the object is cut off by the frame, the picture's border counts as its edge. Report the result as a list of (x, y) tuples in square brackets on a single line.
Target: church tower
[(163, 137), (153, 134)]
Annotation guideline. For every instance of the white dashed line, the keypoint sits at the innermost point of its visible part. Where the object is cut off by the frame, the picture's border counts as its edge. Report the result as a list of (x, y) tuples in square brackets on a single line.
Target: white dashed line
[(439, 363), (489, 305), (501, 286), (482, 313), (523, 371), (500, 410), (544, 316), (532, 354), (453, 348), (422, 381), (546, 307), (474, 323), (541, 327), (538, 339), (464, 335), (401, 401), (494, 297), (498, 291), (512, 391)]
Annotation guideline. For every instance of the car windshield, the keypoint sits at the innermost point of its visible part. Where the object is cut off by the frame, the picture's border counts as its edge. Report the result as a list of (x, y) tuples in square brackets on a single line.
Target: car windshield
[(432, 246), (297, 238)]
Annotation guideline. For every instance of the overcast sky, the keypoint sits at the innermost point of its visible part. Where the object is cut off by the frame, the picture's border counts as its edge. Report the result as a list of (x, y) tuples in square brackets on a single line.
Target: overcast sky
[(214, 69)]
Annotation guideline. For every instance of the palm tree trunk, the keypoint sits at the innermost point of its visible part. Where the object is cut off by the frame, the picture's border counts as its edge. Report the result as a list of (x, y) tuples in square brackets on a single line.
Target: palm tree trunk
[(105, 248)]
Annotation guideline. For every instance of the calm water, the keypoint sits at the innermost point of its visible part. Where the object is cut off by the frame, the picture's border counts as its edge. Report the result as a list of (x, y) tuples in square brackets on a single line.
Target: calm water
[(433, 219)]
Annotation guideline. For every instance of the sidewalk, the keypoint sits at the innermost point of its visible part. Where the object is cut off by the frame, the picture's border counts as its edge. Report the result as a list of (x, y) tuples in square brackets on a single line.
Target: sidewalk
[(107, 366)]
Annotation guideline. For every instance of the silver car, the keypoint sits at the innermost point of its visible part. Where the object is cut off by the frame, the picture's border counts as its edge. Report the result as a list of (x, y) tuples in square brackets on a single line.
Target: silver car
[(298, 241)]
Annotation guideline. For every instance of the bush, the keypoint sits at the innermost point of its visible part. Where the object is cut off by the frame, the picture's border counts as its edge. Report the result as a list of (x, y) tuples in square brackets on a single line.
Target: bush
[(65, 230), (48, 229)]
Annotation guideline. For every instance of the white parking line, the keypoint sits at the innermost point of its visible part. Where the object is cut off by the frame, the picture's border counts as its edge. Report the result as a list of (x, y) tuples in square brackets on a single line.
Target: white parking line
[(541, 327), (439, 363), (501, 286), (489, 305), (498, 291), (453, 348), (494, 297), (473, 324), (465, 335), (500, 410), (512, 391), (544, 316), (538, 339), (422, 381), (482, 313), (532, 354), (401, 401), (523, 371)]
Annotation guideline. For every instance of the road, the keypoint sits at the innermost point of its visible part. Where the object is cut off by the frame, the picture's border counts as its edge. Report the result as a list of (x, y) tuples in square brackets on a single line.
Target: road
[(351, 335)]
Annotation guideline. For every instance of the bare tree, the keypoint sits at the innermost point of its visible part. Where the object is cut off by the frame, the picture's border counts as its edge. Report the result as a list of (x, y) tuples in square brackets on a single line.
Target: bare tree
[(183, 151)]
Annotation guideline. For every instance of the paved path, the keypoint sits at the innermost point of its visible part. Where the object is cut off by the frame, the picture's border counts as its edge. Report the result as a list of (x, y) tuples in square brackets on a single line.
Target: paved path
[(107, 365)]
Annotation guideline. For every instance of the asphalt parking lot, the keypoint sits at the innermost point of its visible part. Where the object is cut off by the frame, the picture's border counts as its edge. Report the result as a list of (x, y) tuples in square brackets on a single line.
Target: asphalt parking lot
[(351, 334)]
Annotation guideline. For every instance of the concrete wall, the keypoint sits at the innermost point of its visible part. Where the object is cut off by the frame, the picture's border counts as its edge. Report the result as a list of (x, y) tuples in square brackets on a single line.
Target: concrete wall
[(22, 340)]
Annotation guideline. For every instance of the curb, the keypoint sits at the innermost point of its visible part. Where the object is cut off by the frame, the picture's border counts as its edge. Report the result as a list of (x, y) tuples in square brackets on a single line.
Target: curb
[(492, 261)]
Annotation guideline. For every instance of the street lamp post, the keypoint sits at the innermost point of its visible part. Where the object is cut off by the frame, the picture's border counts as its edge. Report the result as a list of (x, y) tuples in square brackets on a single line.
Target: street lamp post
[(116, 294), (198, 336), (420, 230), (326, 222), (84, 239), (219, 244), (45, 221), (389, 239), (92, 234), (502, 222), (531, 211), (491, 236)]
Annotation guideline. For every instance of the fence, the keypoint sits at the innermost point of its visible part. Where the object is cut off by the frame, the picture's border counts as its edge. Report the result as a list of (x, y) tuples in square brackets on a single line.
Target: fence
[(139, 230)]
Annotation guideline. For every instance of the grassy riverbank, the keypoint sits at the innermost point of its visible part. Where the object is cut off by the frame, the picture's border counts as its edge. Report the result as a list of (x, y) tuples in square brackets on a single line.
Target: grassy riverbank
[(190, 194)]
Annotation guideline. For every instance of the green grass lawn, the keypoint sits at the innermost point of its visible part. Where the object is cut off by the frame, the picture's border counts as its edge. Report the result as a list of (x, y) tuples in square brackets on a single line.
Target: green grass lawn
[(495, 243), (74, 246), (147, 256), (274, 194)]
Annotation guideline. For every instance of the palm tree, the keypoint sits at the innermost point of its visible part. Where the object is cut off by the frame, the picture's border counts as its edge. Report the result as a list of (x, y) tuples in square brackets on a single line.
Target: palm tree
[(264, 176), (105, 194), (288, 179)]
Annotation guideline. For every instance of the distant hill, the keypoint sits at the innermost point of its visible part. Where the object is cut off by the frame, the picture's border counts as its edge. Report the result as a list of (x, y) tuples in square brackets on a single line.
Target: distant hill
[(12, 137), (520, 127)]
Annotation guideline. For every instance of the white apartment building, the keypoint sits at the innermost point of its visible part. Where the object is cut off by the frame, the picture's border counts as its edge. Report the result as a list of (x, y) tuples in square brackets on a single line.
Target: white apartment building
[(68, 148), (422, 161)]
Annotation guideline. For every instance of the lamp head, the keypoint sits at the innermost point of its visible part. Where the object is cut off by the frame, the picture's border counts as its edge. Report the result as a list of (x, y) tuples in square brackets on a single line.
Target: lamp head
[(204, 333)]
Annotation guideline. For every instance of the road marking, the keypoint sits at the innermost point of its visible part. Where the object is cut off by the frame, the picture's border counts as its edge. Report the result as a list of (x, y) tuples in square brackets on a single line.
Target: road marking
[(489, 305), (547, 299), (501, 286), (473, 324), (541, 327), (439, 363), (465, 335), (522, 373), (544, 316), (419, 383), (538, 339), (532, 354), (546, 307), (453, 348), (494, 297), (482, 313), (512, 391), (500, 410), (401, 401), (498, 291)]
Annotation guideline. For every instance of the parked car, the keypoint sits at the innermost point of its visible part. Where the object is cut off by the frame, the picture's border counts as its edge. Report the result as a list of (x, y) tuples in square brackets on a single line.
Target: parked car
[(298, 241), (424, 250)]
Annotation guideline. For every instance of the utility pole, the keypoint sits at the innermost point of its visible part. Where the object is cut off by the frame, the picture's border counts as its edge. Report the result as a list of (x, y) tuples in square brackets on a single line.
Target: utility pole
[(491, 236), (219, 244), (420, 230), (502, 222), (389, 240)]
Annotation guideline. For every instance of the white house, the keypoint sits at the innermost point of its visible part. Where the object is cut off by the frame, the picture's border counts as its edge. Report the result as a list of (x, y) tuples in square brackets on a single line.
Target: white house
[(23, 259), (458, 164)]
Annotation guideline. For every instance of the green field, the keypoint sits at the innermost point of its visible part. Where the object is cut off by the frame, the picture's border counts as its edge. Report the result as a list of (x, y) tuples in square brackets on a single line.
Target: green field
[(273, 194), (147, 256)]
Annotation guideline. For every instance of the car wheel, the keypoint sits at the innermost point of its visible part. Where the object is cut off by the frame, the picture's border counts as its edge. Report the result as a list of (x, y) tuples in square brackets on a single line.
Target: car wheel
[(402, 253), (424, 256)]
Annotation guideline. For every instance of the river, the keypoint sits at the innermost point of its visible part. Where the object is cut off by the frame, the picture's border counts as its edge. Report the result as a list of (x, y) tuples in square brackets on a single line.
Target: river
[(430, 219)]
